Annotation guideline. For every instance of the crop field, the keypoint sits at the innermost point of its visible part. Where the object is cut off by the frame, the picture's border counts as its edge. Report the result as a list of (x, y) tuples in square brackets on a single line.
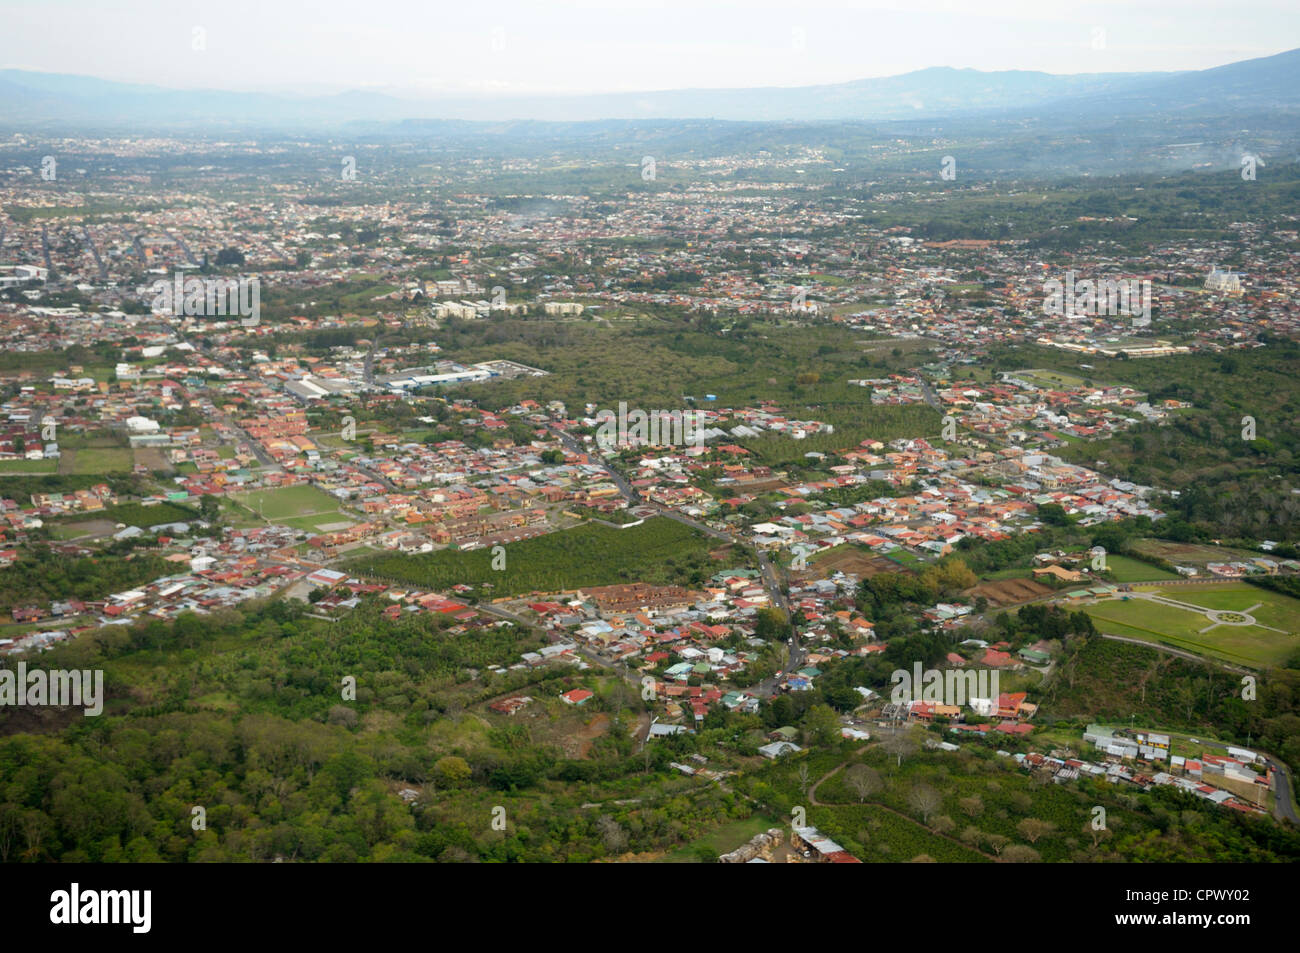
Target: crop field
[(1005, 592), (659, 551), (1192, 554), (850, 559)]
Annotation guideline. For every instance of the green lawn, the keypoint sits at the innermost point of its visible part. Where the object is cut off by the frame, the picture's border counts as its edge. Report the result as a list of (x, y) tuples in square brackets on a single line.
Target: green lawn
[(1051, 378), (28, 466), (291, 502), (94, 460), (1128, 569), (907, 558), (1252, 645)]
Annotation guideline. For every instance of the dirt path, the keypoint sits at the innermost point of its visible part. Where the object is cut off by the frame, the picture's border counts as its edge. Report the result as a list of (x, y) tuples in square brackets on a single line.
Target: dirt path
[(585, 737)]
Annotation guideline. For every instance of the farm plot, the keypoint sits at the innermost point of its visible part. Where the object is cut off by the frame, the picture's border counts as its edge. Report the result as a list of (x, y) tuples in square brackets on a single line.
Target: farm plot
[(1006, 592)]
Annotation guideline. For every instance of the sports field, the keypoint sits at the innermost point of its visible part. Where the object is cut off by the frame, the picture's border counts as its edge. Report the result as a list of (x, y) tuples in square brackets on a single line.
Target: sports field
[(304, 507), (1258, 627)]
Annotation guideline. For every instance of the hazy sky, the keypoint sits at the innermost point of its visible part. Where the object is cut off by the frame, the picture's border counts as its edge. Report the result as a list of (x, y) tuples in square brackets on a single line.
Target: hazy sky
[(514, 46)]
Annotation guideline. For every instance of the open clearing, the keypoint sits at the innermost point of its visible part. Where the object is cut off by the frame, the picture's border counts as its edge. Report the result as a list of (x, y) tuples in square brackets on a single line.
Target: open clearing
[(1128, 569), (28, 466), (97, 460), (848, 559), (1191, 554)]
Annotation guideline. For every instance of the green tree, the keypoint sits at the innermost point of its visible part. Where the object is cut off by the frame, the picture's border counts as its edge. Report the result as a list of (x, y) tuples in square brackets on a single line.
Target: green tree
[(453, 770)]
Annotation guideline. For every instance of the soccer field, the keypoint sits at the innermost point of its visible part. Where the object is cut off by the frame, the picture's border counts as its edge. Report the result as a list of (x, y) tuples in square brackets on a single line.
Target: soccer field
[(1260, 630), (288, 502)]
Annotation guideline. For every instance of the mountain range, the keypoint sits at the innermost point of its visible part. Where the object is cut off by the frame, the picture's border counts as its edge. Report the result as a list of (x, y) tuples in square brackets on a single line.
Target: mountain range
[(32, 100)]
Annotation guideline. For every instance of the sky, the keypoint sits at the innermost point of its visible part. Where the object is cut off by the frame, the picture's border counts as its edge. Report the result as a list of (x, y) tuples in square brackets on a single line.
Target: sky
[(522, 47)]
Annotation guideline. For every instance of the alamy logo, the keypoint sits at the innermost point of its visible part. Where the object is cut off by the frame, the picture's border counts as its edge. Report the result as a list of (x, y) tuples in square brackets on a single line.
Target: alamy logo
[(678, 428), (1091, 298), (953, 687), (63, 688), (209, 297), (75, 906)]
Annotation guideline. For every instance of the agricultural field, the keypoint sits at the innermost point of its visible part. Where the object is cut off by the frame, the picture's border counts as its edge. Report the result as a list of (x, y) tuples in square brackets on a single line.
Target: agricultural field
[(1005, 592), (659, 551), (1190, 554), (849, 559), (1258, 630)]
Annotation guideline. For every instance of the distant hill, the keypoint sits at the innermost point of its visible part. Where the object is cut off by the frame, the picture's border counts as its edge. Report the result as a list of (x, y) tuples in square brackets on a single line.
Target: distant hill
[(42, 100)]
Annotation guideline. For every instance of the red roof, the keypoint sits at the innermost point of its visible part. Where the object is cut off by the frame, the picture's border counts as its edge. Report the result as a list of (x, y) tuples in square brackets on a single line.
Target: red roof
[(997, 659), (1010, 729)]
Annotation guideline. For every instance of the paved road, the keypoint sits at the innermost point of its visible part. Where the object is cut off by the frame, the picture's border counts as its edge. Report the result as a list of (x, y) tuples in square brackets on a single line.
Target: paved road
[(179, 240), (45, 248), (1284, 806), (99, 262), (1179, 652), (264, 458), (930, 396)]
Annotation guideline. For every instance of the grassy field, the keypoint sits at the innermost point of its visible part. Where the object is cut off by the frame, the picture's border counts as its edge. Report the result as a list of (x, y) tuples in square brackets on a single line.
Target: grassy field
[(907, 559), (317, 521), (1128, 569), (288, 503), (1250, 645), (137, 514), (723, 839), (28, 466), (1046, 378), (92, 460)]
